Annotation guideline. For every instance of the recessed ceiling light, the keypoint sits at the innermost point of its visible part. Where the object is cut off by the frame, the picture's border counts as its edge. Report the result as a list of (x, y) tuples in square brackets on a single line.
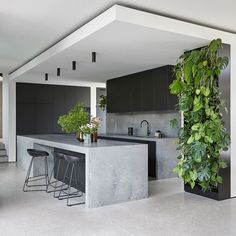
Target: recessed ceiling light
[(73, 65), (94, 54), (58, 71), (46, 76)]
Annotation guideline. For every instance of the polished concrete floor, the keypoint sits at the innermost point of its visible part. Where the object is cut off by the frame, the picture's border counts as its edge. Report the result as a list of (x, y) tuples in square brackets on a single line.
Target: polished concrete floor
[(167, 211)]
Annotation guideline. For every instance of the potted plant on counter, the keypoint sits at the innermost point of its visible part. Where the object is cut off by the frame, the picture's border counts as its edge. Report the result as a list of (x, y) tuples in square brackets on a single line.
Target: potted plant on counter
[(72, 122), (203, 136)]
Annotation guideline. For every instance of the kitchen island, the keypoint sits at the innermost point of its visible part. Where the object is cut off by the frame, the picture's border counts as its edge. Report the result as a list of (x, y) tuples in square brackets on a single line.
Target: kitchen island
[(162, 153), (114, 171)]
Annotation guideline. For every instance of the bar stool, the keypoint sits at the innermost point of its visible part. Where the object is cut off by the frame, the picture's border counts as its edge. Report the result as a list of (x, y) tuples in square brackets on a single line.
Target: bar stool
[(34, 153), (72, 161), (58, 158)]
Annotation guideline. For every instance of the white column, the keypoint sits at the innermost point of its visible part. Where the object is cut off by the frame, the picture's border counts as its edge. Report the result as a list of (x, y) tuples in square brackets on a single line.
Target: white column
[(9, 118), (93, 101), (233, 118)]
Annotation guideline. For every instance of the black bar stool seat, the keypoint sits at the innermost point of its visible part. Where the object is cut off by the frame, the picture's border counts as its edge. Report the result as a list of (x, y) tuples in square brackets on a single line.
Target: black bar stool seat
[(35, 153), (72, 159)]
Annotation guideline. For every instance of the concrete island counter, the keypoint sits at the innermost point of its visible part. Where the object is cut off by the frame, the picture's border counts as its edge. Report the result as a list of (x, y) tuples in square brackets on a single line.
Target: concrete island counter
[(115, 171)]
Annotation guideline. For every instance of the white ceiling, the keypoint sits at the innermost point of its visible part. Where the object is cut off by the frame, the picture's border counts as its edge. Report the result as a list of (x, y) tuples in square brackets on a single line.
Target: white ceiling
[(122, 49), (28, 27)]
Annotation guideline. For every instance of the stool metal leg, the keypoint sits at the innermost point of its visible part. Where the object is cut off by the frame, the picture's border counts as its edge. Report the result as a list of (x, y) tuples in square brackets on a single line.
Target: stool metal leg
[(71, 176), (28, 174), (54, 183), (36, 178), (63, 182), (57, 176), (77, 186), (50, 177), (46, 172), (76, 193)]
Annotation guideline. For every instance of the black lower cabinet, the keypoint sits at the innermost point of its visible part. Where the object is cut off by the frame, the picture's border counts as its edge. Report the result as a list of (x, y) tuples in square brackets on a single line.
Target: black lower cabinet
[(80, 169), (152, 168), (221, 193)]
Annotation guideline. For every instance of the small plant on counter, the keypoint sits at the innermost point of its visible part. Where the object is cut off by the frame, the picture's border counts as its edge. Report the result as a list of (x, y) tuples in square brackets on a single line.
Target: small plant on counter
[(76, 117), (102, 102), (204, 136)]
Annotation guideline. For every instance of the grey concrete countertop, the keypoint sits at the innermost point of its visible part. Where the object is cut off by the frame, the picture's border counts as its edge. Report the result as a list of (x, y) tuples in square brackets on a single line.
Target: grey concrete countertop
[(67, 139), (150, 138)]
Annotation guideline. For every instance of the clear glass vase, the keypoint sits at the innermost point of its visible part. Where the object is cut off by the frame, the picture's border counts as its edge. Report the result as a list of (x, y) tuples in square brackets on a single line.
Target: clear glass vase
[(87, 138)]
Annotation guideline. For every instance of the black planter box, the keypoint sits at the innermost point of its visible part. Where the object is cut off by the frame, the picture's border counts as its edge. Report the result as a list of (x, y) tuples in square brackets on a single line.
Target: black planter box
[(221, 193), (214, 194)]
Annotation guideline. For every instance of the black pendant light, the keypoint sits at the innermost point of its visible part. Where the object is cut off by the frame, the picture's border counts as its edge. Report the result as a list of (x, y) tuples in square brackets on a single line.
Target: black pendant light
[(94, 54), (46, 76), (58, 71), (73, 65)]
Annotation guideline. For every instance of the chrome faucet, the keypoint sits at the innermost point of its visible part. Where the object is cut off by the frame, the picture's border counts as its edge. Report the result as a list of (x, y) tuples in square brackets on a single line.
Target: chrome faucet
[(148, 126)]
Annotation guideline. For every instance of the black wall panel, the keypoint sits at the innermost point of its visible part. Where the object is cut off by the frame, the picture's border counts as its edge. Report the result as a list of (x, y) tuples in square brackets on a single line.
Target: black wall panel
[(38, 106)]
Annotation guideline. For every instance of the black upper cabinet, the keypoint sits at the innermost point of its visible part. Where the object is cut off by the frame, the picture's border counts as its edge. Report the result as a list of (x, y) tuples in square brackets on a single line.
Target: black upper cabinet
[(39, 106), (25, 93), (143, 91), (116, 97)]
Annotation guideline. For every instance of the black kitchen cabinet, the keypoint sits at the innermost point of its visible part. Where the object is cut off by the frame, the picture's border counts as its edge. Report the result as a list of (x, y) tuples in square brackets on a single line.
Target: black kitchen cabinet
[(44, 118), (38, 106), (116, 97), (59, 107), (43, 97), (25, 123), (143, 91), (25, 93)]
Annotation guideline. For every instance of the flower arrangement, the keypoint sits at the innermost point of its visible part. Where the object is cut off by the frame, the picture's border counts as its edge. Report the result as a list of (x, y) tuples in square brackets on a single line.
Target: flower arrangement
[(95, 124), (86, 129), (90, 129)]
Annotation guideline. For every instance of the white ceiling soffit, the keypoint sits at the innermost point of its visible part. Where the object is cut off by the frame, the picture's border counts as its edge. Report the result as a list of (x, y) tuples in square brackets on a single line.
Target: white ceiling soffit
[(125, 43)]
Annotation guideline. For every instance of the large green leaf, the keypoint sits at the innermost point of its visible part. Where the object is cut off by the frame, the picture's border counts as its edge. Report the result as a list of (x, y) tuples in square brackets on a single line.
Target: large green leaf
[(177, 86)]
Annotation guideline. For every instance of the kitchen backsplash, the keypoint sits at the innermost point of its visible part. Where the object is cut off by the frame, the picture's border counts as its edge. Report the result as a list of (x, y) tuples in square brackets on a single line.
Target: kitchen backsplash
[(118, 123)]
